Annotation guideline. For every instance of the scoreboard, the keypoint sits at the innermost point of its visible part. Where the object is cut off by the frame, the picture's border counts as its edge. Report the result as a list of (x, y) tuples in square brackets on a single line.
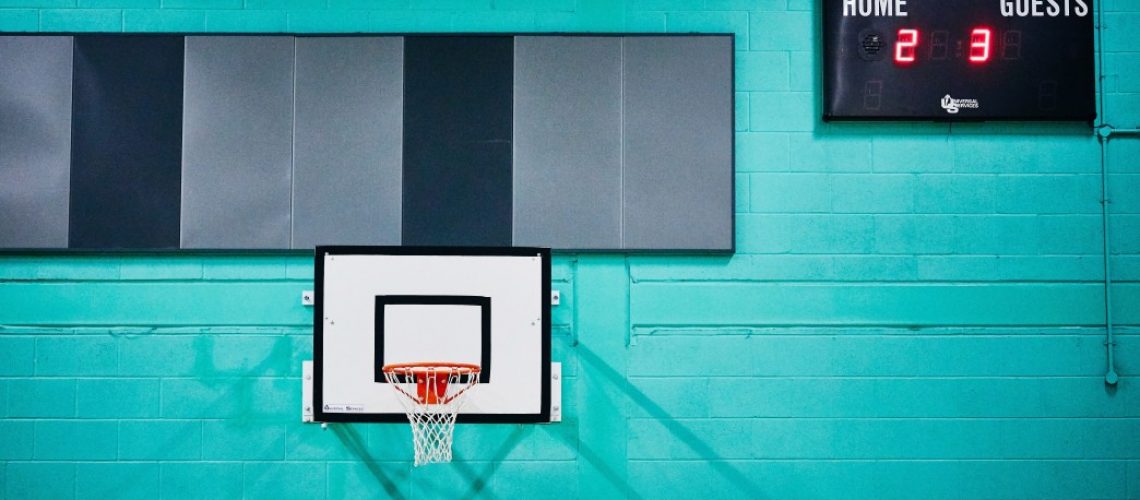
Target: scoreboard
[(958, 60)]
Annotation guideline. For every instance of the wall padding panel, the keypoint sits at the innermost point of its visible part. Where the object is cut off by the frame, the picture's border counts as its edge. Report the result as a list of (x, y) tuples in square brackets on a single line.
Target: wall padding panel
[(127, 142), (348, 138), (244, 142), (677, 149), (237, 148), (567, 131), (35, 140), (457, 140)]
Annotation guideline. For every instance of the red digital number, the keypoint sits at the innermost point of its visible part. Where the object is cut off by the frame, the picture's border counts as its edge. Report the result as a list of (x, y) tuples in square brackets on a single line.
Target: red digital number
[(905, 46), (980, 45)]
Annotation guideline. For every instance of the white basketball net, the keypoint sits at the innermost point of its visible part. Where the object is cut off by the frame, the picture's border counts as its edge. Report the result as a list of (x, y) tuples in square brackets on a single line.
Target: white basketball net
[(432, 396)]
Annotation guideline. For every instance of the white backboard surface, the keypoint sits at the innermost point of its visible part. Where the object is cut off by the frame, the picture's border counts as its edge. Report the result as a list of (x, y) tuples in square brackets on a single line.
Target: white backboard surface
[(383, 305)]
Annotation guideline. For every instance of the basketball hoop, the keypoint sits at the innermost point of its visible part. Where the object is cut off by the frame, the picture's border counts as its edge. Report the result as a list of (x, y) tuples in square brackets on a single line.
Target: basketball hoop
[(432, 394)]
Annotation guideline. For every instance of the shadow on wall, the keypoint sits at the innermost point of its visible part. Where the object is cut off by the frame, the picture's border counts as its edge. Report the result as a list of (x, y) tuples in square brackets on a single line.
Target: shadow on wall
[(479, 479), (355, 443), (730, 473)]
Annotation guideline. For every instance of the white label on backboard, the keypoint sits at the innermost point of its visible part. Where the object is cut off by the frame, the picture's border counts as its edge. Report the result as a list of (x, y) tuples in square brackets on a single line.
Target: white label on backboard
[(346, 408)]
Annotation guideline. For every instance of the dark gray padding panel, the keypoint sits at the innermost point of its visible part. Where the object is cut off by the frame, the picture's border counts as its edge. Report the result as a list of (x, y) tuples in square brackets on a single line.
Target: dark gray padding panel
[(457, 140), (126, 143), (237, 142), (35, 140), (567, 159), (677, 138), (348, 141)]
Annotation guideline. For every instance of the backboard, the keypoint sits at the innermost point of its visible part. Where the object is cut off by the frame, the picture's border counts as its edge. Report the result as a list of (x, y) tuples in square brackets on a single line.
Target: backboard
[(383, 305)]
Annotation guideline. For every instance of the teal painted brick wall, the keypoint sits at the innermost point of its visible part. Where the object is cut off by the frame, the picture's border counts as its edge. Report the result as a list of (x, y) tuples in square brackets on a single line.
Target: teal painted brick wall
[(914, 310)]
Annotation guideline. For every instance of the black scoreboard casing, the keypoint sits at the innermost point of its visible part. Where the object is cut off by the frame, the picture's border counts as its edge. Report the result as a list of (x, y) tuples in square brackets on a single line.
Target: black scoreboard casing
[(1038, 68)]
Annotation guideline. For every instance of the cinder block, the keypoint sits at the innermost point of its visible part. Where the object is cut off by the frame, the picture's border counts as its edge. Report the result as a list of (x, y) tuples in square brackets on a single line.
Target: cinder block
[(1121, 73), (918, 234), (202, 4), (782, 111), (762, 71), (749, 5), (119, 4), (761, 152), (255, 355), (76, 440), (185, 480), (1011, 154), (161, 268), (536, 480), (17, 356), (243, 440), (740, 111), (690, 439), (829, 153), (284, 4), (164, 355), (98, 481), (316, 21), (342, 442), (1124, 194), (64, 20), (17, 442), (888, 354), (1048, 194), (41, 398), (1072, 234), (872, 193), (1125, 231), (855, 268), (1122, 26), (273, 398), (160, 440), (247, 21), (996, 234), (955, 194), (243, 268), (164, 21), (377, 480), (912, 154), (40, 480), (74, 355), (958, 267), (17, 20), (117, 398), (801, 75), (205, 398), (673, 397), (790, 193), (743, 193), (276, 480), (781, 31), (710, 22)]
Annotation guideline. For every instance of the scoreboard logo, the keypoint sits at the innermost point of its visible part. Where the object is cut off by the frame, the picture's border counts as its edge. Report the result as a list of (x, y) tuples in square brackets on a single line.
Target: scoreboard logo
[(952, 105)]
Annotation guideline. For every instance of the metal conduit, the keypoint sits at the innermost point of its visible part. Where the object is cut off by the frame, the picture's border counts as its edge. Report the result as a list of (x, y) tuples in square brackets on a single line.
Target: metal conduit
[(1105, 133)]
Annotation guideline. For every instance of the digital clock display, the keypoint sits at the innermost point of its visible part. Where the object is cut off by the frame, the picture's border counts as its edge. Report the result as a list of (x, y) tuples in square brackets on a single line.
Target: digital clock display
[(958, 60)]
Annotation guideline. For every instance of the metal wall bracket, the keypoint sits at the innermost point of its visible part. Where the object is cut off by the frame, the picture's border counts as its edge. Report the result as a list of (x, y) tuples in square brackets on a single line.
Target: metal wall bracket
[(307, 391), (555, 392)]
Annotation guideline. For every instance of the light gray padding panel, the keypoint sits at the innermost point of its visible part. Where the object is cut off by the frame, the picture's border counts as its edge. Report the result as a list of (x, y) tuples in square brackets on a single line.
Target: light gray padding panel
[(348, 140), (677, 136), (35, 140), (567, 142), (237, 142)]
